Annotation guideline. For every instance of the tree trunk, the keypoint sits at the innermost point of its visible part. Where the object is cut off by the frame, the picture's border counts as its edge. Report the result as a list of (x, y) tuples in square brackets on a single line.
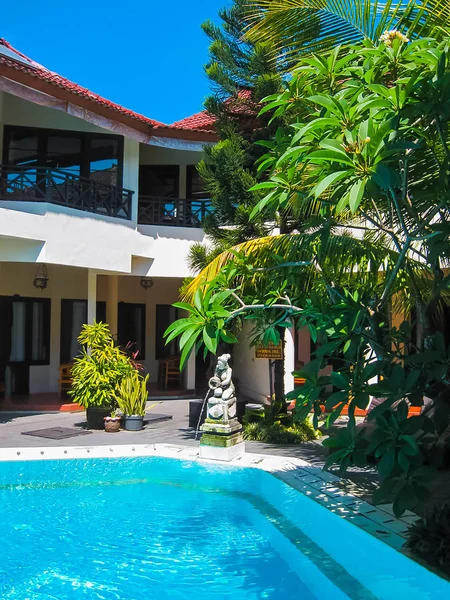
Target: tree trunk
[(278, 380)]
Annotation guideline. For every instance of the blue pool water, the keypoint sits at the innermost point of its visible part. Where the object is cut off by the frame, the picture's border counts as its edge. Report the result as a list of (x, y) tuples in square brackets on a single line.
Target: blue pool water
[(156, 529)]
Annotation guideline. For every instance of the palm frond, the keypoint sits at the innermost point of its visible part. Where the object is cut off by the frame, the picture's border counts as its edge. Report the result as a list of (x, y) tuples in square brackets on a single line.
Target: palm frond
[(339, 256), (311, 26)]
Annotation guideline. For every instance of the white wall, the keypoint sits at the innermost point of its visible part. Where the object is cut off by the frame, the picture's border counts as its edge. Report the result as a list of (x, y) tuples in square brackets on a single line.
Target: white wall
[(252, 373), (303, 345), (170, 248), (131, 173), (63, 283), (69, 237), (71, 283), (2, 102), (163, 291), (60, 235)]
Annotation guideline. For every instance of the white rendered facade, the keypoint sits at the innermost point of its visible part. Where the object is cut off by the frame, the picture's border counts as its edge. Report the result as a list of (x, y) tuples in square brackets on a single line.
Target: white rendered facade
[(92, 257)]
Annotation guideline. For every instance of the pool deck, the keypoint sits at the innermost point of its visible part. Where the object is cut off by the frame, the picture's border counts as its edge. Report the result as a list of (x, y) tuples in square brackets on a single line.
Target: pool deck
[(174, 431), (299, 466), (360, 482)]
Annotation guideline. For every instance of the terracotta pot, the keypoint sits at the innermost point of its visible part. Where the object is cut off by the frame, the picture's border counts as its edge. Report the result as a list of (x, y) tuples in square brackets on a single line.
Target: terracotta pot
[(112, 424)]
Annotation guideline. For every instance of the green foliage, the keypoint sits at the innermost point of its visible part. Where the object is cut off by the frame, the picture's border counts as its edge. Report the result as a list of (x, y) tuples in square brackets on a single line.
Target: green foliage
[(278, 433), (132, 395), (362, 167), (401, 446), (98, 373), (429, 538), (207, 324), (299, 27), (241, 74)]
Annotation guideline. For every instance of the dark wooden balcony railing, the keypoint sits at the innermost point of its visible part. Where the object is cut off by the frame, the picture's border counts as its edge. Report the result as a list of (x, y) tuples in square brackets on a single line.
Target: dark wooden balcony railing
[(41, 184), (175, 212)]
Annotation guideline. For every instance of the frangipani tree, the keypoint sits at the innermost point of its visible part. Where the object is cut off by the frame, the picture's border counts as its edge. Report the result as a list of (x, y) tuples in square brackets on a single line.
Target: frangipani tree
[(366, 161)]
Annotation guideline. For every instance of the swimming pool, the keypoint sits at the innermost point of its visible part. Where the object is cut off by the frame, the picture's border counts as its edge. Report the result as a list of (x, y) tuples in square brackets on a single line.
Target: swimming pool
[(158, 528)]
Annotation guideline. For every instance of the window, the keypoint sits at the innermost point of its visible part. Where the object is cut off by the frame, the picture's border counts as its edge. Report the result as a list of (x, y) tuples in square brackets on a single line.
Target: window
[(73, 317), (194, 184), (159, 180), (64, 152), (165, 316), (92, 155), (131, 327), (104, 160), (25, 330), (21, 147)]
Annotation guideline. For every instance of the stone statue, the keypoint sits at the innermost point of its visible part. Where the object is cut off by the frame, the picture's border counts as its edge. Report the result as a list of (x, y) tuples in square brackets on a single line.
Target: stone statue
[(221, 431), (222, 404)]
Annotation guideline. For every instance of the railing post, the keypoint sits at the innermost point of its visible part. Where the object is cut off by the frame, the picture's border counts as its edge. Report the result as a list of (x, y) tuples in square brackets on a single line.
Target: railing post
[(48, 185)]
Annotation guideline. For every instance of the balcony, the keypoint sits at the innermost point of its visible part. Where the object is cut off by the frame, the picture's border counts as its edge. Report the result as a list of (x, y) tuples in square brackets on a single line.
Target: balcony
[(42, 184), (174, 212)]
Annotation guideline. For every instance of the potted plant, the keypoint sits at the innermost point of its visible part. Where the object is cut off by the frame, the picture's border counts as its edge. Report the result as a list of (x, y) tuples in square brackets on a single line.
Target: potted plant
[(131, 398), (97, 373), (113, 422)]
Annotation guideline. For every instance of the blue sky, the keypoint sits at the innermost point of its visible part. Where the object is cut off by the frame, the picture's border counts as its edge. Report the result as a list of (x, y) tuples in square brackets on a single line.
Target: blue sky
[(145, 55)]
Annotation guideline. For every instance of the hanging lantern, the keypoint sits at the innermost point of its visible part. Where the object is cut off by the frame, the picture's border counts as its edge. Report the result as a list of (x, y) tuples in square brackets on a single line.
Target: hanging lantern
[(146, 282), (40, 279)]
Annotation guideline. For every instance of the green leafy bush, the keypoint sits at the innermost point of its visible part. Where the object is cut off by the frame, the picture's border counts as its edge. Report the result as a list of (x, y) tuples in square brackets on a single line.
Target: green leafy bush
[(429, 538), (100, 369), (277, 433)]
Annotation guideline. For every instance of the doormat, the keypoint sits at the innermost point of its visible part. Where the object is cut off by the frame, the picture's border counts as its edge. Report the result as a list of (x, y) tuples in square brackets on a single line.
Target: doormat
[(56, 433)]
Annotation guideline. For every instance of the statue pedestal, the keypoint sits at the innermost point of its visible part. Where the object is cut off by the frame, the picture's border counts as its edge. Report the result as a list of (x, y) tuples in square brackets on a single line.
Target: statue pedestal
[(221, 440)]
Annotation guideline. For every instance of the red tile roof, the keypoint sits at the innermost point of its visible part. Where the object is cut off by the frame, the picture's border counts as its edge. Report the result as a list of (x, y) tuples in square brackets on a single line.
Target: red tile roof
[(34, 69), (242, 105), (202, 120)]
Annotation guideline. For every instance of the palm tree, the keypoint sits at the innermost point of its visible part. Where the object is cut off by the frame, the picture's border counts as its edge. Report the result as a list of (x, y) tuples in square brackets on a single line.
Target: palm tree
[(292, 25)]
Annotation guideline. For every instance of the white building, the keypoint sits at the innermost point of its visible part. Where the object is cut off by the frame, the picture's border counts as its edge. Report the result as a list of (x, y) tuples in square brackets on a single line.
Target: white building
[(102, 202)]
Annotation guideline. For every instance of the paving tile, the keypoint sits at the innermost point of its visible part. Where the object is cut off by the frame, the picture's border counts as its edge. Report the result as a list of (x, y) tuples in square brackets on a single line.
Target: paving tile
[(395, 541), (328, 477), (409, 520), (396, 526), (389, 509), (310, 479), (342, 511), (378, 516), (359, 520)]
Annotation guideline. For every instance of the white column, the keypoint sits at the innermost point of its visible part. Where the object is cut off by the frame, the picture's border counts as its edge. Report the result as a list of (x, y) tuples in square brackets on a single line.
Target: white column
[(189, 369), (2, 120), (112, 303), (131, 173), (91, 296), (289, 359)]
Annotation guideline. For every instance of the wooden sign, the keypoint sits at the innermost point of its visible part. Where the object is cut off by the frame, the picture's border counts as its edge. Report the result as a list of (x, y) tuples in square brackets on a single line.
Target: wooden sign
[(271, 352)]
